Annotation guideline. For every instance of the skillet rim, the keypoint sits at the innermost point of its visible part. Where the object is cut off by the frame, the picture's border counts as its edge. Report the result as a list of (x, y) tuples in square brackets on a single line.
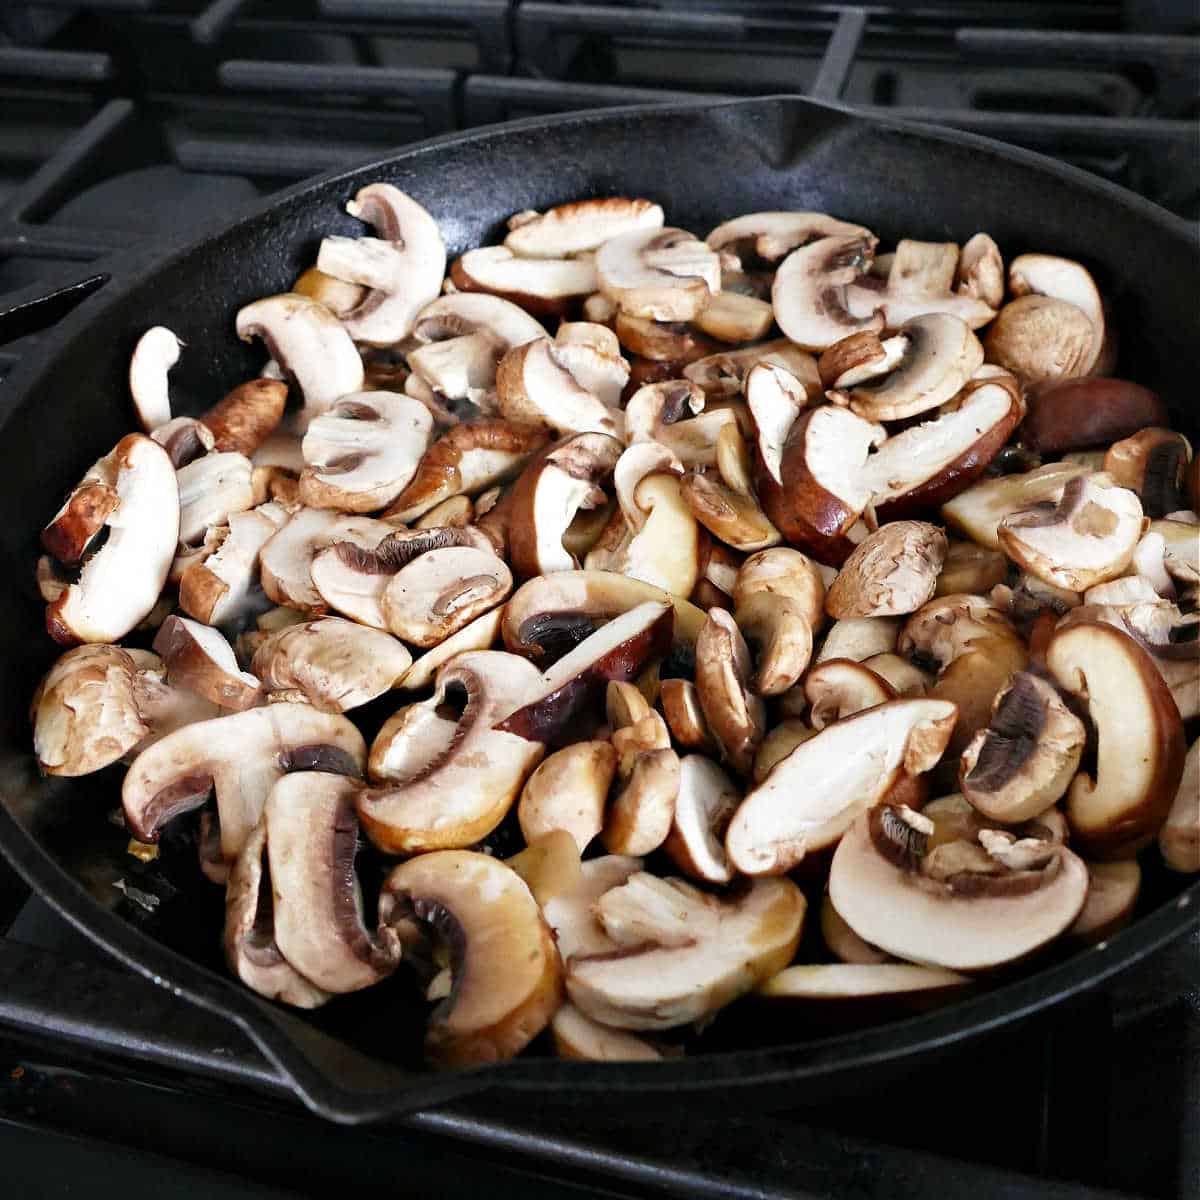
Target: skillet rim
[(388, 1091)]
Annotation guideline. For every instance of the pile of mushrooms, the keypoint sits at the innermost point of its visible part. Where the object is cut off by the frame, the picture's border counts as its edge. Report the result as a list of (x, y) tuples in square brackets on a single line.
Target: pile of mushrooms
[(735, 574)]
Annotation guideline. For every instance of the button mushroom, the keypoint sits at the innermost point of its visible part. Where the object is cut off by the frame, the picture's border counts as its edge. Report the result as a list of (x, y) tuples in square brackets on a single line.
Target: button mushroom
[(893, 572), (1152, 463), (1113, 890), (580, 226), (534, 387), (706, 801), (809, 294), (198, 657), (673, 414), (735, 715), (543, 286), (1067, 281), (663, 274), (568, 791), (772, 235), (1073, 414)]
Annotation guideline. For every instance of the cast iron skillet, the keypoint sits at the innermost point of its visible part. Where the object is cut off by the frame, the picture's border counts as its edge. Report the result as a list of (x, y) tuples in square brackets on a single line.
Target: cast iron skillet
[(68, 403)]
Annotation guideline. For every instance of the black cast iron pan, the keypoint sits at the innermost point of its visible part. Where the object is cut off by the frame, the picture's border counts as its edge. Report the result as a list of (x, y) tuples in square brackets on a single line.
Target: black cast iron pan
[(68, 403)]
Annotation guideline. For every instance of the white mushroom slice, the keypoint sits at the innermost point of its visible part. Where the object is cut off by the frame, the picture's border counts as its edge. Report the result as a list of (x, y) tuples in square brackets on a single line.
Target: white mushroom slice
[(580, 226), (593, 356), (120, 583), (505, 972), (728, 507), (705, 804), (1086, 537), (534, 387), (1113, 890), (843, 943), (210, 490), (364, 451), (723, 375), (787, 574), (332, 664), (318, 919), (840, 687), (661, 274), (731, 317), (568, 792), (309, 343), (665, 549), (250, 947), (684, 953), (539, 285), (903, 678), (814, 795), (1179, 837), (577, 1036), (402, 268), (980, 271), (185, 439), (884, 884), (736, 717), (240, 757), (781, 637), (458, 368), (198, 657), (893, 572), (839, 983), (638, 461), (479, 634), (940, 355), (336, 294), (771, 235), (1065, 280), (451, 795), (164, 707), (978, 511), (461, 313), (809, 294), (858, 638), (673, 414), (861, 357), (156, 352), (287, 557), (223, 587)]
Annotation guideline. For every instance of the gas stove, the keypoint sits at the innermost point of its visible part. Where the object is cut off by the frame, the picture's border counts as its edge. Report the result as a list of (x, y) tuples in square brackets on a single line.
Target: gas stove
[(130, 123)]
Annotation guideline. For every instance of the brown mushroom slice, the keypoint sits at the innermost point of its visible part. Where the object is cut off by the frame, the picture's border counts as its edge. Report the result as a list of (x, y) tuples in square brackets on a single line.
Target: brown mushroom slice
[(156, 352), (619, 650), (534, 387), (455, 368), (401, 269), (198, 657), (309, 343), (730, 317), (1179, 837), (780, 741), (893, 572), (839, 687), (684, 954), (813, 796), (447, 792), (250, 947), (668, 345), (1025, 759), (120, 583), (312, 839), (706, 801), (965, 920), (840, 983), (1072, 414), (1152, 463), (363, 451), (1113, 889), (549, 865), (781, 637), (843, 943), (735, 715), (787, 574), (925, 465), (729, 509), (163, 706), (723, 375), (970, 568), (460, 313), (980, 271), (639, 818), (680, 701), (464, 461), (592, 354), (859, 638), (978, 511), (772, 235), (1084, 536), (240, 757), (185, 439), (544, 286), (567, 791), (903, 677), (1065, 280), (85, 711), (332, 664), (572, 916), (549, 493), (247, 416), (577, 1036), (455, 512), (672, 413), (1040, 339), (442, 590), (479, 634), (210, 490), (580, 226), (223, 587), (665, 274), (506, 976), (809, 294), (1140, 754)]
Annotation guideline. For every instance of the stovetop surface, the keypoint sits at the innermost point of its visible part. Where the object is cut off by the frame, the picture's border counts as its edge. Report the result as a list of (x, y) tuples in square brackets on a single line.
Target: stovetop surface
[(123, 121)]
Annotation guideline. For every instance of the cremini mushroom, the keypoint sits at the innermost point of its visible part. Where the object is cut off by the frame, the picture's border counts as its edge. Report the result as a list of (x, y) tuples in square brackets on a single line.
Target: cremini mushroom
[(859, 638), (543, 286), (781, 639), (732, 317), (568, 791), (664, 274), (592, 354), (1153, 463), (980, 271), (1038, 338), (772, 235), (534, 387), (223, 586), (728, 508), (211, 489), (1067, 281), (735, 715), (1075, 414), (673, 414), (893, 572), (919, 280), (680, 702), (787, 574), (156, 352), (840, 687), (723, 375), (247, 416), (336, 294), (572, 916), (706, 801), (809, 294), (198, 657), (1179, 837), (970, 568), (580, 226)]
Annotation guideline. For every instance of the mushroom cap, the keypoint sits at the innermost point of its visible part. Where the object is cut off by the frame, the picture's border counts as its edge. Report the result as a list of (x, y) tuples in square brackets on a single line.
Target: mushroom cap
[(812, 796), (684, 954), (970, 568), (364, 451), (546, 286), (247, 416), (947, 627), (893, 572), (840, 687), (1066, 280), (505, 970), (156, 352), (735, 716), (664, 274), (1072, 414), (568, 791), (120, 583), (950, 924), (581, 225), (787, 573), (809, 292), (198, 657), (772, 235), (1038, 338)]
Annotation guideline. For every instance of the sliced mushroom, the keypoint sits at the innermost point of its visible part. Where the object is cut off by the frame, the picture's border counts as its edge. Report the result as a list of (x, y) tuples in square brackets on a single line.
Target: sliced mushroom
[(665, 550), (1140, 754), (211, 489), (1179, 837), (250, 947), (809, 294), (731, 317), (1153, 463), (903, 677), (464, 461), (577, 1036), (842, 984), (364, 451), (120, 583), (858, 358), (454, 369), (572, 917), (156, 352), (980, 271), (1084, 536), (918, 281), (336, 294), (893, 572), (447, 789), (970, 568), (1113, 890), (735, 715), (659, 412), (1025, 759), (223, 587), (684, 954), (549, 865), (858, 638), (1067, 281), (580, 226), (506, 976), (978, 511), (772, 235), (787, 574), (545, 286), (247, 416), (401, 269), (163, 706), (706, 801), (781, 637), (455, 512), (729, 509), (479, 634), (723, 375), (812, 796), (312, 837), (535, 388), (961, 910), (592, 354), (672, 342), (461, 313), (840, 687), (780, 741), (843, 943), (567, 791), (198, 657), (680, 701), (240, 757), (663, 274), (309, 343)]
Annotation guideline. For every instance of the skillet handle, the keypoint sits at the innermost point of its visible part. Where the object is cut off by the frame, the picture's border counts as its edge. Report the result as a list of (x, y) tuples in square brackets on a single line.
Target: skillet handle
[(31, 316)]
